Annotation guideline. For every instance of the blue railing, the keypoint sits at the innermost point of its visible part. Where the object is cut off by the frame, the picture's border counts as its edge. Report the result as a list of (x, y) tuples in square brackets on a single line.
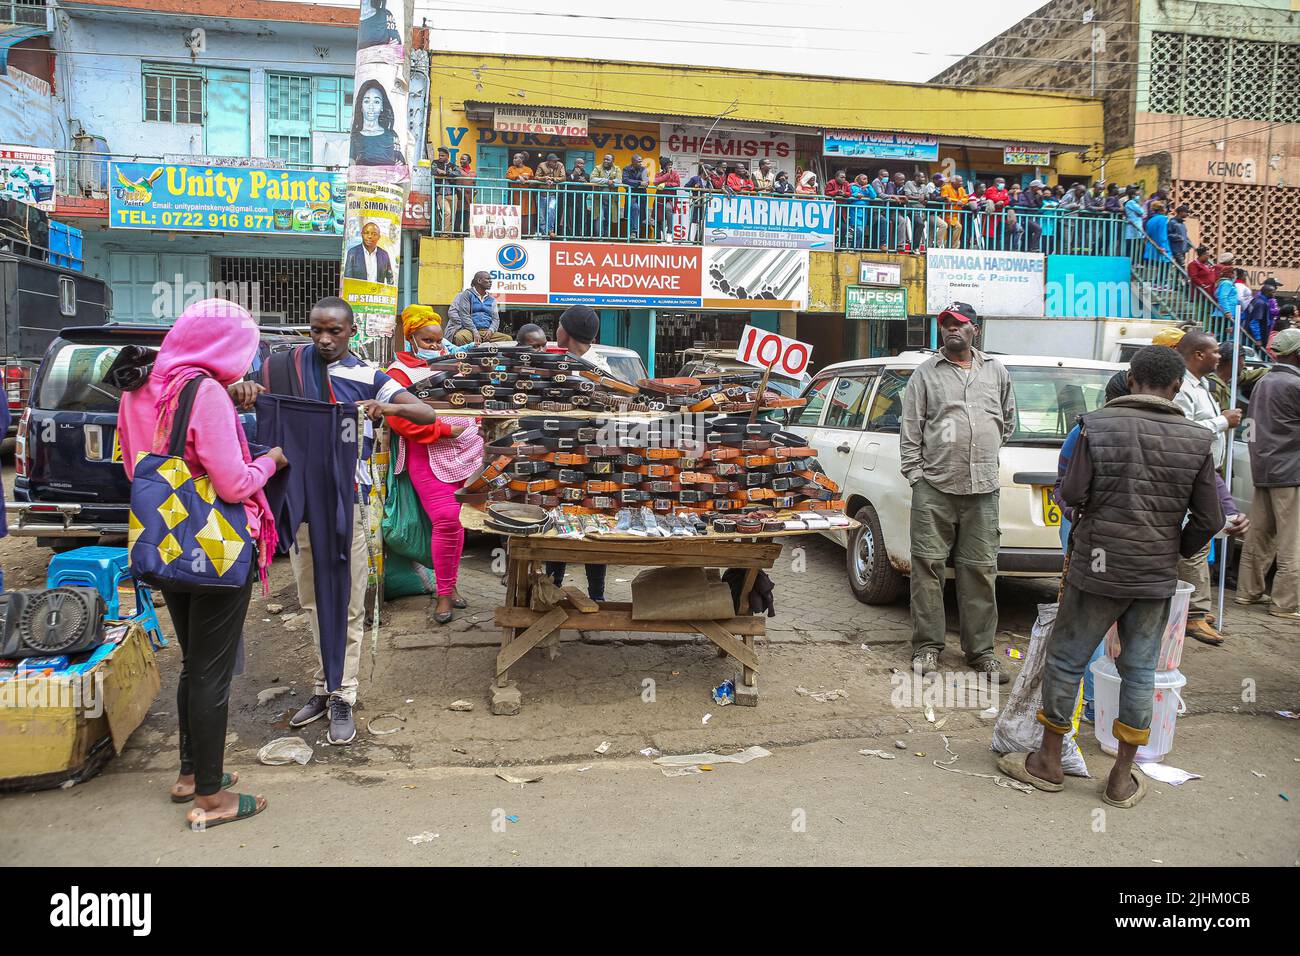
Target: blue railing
[(616, 213)]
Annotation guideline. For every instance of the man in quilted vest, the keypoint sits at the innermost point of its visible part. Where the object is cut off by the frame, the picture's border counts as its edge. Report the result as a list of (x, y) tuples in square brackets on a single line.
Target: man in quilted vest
[(1139, 470)]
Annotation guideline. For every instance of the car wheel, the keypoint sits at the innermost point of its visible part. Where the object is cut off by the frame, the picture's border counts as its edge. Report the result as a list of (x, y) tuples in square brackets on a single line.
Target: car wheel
[(871, 577)]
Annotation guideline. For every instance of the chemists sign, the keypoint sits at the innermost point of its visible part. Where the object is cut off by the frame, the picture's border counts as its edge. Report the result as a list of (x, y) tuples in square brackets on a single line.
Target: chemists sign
[(995, 283), (769, 222), (868, 302), (176, 196)]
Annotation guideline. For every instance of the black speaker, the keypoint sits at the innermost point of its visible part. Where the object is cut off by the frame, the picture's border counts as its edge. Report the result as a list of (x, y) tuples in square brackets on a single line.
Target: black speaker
[(66, 620)]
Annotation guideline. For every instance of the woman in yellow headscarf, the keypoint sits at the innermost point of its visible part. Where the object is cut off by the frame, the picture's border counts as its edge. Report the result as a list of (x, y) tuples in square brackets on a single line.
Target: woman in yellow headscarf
[(437, 458)]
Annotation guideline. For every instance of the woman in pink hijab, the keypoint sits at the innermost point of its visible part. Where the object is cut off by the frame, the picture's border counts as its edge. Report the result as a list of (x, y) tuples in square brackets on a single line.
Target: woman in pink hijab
[(218, 340)]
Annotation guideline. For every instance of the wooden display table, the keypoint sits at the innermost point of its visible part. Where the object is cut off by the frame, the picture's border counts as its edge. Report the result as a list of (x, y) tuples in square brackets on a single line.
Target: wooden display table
[(535, 610)]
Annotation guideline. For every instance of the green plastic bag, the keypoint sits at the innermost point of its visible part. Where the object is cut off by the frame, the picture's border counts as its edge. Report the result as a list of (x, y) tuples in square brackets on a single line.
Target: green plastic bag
[(406, 528), (404, 578)]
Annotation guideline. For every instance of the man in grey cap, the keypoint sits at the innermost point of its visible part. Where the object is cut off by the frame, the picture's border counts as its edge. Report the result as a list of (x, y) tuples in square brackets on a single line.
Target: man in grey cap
[(1273, 431), (958, 411)]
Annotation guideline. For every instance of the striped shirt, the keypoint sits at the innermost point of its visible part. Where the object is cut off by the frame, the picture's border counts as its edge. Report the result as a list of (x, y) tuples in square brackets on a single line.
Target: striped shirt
[(353, 381)]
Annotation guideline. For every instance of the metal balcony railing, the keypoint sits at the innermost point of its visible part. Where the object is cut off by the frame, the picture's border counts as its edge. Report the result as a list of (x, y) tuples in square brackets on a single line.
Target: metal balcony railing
[(23, 12), (616, 213)]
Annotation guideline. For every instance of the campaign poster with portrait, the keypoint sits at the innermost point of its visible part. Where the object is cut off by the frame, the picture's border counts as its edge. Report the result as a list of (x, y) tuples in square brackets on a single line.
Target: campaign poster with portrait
[(372, 256), (382, 28), (380, 130)]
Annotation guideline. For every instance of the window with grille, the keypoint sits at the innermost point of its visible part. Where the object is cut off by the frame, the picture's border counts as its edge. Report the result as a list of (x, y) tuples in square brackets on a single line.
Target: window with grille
[(173, 96), (24, 12), (298, 105), (1255, 223), (288, 287), (1224, 77)]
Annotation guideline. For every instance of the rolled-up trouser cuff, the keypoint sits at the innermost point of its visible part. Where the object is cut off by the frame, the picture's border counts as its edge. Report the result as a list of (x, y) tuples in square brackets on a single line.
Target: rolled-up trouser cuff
[(1130, 735), (1053, 727)]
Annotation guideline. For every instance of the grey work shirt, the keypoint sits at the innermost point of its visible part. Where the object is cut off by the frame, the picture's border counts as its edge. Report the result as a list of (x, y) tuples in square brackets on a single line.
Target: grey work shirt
[(955, 422)]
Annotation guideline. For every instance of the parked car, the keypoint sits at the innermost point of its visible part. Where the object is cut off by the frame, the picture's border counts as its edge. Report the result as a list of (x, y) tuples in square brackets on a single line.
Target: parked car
[(69, 485), (37, 299), (711, 361), (853, 417), (626, 364)]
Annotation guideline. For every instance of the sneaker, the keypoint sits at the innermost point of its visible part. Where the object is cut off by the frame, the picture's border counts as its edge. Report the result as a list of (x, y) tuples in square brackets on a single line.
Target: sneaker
[(927, 663), (1088, 713), (343, 729), (991, 665), (1204, 632), (1285, 615), (314, 709)]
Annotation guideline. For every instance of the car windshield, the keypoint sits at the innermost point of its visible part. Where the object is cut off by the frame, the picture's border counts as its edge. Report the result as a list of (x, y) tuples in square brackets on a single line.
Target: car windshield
[(627, 368), (73, 379), (1049, 399)]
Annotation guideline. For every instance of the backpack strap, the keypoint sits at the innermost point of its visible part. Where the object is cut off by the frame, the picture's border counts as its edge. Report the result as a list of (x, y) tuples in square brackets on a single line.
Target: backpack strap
[(181, 417)]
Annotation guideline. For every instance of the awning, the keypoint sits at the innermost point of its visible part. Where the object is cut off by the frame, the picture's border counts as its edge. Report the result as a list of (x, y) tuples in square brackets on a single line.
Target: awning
[(12, 36)]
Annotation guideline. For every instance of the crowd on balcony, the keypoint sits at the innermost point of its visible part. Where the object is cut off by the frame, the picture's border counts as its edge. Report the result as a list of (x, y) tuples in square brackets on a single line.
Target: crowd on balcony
[(889, 212)]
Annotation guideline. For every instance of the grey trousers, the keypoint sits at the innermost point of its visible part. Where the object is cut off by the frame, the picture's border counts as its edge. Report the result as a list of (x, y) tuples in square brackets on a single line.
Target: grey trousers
[(965, 526), (1196, 570)]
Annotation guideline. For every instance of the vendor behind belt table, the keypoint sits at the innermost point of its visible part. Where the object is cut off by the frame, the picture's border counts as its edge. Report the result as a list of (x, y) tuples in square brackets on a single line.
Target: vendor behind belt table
[(578, 327), (474, 316), (326, 371)]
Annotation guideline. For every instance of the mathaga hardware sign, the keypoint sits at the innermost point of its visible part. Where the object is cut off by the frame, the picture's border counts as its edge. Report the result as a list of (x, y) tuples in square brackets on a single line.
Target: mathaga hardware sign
[(995, 283), (176, 196), (769, 222)]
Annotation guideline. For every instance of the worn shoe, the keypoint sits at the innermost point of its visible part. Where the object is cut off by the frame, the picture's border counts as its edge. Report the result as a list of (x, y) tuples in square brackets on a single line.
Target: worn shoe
[(1088, 713), (993, 667), (927, 663), (1285, 615), (314, 709), (343, 729), (1204, 632), (1247, 601)]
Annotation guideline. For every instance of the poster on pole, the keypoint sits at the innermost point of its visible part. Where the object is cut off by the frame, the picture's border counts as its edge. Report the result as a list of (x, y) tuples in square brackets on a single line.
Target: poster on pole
[(381, 155)]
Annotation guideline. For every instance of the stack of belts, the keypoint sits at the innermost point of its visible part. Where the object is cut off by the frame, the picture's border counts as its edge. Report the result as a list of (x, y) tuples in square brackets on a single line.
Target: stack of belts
[(739, 476), (508, 379)]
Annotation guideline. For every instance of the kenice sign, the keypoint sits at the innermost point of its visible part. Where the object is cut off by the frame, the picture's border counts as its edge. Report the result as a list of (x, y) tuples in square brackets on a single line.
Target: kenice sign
[(767, 349)]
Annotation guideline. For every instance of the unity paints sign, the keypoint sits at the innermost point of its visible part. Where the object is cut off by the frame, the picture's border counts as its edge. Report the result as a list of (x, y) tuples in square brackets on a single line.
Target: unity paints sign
[(877, 144), (769, 222), (183, 197), (994, 283), (639, 275)]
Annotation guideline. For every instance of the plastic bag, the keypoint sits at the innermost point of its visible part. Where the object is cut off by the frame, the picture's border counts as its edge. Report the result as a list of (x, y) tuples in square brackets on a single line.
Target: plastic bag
[(406, 528), (1017, 729), (404, 578)]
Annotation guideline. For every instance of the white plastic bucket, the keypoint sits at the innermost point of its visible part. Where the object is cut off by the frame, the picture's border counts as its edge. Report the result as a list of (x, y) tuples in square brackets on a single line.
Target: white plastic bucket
[(1166, 705), (1171, 642)]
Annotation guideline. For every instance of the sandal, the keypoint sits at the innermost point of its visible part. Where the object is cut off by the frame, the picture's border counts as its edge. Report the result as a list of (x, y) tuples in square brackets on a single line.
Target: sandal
[(248, 807), (1132, 799), (442, 617), (459, 603), (228, 780), (1013, 765)]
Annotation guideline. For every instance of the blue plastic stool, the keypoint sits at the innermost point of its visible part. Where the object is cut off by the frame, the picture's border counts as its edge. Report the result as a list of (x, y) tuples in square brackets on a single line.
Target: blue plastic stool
[(104, 569)]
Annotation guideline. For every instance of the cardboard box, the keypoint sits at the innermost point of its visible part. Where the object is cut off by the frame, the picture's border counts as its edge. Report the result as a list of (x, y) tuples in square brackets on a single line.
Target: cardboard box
[(66, 727)]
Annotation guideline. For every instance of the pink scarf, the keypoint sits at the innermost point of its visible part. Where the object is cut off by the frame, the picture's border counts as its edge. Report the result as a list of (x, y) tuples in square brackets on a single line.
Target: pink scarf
[(218, 339)]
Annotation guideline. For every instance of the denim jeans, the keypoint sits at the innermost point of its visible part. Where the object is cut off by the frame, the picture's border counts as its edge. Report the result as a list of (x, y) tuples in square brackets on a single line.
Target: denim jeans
[(546, 215), (634, 216), (1088, 690), (965, 526), (1082, 621)]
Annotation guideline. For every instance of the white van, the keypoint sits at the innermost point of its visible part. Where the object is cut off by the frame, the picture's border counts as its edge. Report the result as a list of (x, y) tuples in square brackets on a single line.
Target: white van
[(852, 418)]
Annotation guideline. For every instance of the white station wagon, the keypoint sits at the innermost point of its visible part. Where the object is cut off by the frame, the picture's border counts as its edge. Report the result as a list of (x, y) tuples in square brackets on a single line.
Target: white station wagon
[(852, 418)]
